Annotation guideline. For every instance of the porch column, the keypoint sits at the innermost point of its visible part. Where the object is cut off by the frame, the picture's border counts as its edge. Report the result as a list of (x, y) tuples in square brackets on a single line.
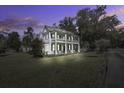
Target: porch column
[(65, 43), (72, 50), (62, 48), (78, 47), (56, 43), (49, 42)]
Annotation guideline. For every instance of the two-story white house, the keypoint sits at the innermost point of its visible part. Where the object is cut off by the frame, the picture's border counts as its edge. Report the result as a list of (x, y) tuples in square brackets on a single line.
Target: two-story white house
[(58, 41)]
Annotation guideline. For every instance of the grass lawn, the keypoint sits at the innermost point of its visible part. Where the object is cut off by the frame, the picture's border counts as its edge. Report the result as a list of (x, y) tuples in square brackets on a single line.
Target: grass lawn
[(77, 70)]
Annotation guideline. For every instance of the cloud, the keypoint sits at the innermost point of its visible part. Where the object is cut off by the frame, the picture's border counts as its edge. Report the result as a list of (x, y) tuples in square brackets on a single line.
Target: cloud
[(28, 19), (119, 11), (18, 23)]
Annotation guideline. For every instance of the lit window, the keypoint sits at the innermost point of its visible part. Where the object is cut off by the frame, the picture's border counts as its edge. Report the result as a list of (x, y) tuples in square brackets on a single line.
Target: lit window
[(53, 47), (58, 46), (58, 36), (52, 35), (69, 47)]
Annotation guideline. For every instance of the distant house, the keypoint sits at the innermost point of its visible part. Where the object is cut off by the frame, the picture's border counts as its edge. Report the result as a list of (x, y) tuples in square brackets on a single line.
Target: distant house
[(58, 41), (120, 28)]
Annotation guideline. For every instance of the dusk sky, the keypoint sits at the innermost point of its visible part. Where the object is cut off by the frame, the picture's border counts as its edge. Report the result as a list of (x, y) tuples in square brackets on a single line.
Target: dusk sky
[(50, 14)]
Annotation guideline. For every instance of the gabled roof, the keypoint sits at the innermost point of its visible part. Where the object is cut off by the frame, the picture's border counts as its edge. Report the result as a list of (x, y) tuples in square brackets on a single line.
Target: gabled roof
[(55, 29)]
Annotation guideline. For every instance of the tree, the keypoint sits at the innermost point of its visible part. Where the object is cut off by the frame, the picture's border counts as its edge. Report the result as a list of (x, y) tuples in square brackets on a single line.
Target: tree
[(85, 26), (14, 41), (3, 44), (37, 47), (27, 39), (67, 24), (119, 38), (55, 25), (93, 24)]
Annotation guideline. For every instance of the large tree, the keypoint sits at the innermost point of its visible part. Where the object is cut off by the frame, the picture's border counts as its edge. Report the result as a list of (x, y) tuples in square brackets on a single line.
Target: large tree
[(121, 39), (83, 23), (67, 24), (3, 43), (37, 47), (28, 38), (14, 41), (93, 24), (108, 30)]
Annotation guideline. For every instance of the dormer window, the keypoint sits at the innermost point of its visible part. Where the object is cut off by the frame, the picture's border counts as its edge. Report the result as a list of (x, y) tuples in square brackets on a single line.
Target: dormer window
[(52, 35), (69, 38)]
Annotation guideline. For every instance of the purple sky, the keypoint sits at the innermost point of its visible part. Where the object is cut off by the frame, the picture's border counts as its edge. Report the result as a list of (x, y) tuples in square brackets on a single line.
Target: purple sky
[(46, 14), (50, 14)]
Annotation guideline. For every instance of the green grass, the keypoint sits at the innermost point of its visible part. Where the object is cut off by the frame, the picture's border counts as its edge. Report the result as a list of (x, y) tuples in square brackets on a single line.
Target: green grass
[(78, 70)]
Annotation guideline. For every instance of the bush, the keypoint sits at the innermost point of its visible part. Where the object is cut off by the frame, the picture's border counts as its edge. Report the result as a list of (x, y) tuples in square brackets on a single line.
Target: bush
[(3, 44), (2, 50), (37, 46), (102, 45)]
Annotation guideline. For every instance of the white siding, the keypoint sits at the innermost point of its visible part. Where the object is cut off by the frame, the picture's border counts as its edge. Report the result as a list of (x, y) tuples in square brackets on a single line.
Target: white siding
[(57, 40)]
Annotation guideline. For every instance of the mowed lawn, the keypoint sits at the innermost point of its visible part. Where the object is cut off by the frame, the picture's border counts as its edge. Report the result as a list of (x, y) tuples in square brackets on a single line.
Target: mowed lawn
[(76, 70)]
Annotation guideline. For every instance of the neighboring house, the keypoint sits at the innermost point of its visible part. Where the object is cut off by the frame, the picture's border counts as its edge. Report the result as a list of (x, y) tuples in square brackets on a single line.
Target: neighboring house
[(58, 41), (120, 28)]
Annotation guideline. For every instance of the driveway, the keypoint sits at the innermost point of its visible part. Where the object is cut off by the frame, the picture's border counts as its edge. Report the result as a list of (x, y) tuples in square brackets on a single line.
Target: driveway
[(115, 73)]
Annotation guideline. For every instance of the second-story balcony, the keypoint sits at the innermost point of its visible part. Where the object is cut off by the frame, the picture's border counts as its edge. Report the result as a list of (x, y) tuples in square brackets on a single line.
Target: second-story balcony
[(60, 39)]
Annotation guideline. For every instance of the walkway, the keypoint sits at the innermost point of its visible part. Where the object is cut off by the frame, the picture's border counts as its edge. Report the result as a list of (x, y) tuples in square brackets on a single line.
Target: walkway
[(115, 74)]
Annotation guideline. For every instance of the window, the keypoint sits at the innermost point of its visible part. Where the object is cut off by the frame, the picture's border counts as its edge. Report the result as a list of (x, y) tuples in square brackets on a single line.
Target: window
[(69, 38), (52, 35), (69, 46), (76, 47), (58, 36), (58, 46), (53, 47), (72, 38)]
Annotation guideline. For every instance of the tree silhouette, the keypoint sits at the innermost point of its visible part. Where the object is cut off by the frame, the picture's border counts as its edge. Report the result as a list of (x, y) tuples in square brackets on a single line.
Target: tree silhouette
[(14, 41)]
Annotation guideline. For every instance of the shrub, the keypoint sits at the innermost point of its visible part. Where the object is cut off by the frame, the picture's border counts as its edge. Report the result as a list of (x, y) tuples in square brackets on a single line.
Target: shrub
[(102, 45), (3, 44), (37, 46)]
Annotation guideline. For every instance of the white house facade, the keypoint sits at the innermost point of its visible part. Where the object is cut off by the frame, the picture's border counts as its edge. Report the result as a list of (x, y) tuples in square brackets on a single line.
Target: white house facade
[(58, 41)]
